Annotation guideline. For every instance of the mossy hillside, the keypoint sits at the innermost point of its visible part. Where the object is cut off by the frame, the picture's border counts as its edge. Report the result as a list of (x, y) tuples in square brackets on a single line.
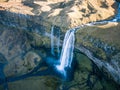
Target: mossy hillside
[(17, 47), (108, 33), (80, 59), (86, 76), (35, 83), (103, 40)]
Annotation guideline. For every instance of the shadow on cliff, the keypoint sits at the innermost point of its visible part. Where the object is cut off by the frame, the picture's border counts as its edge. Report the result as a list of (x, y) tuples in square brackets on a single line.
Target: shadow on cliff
[(15, 22), (33, 5), (62, 19), (65, 9)]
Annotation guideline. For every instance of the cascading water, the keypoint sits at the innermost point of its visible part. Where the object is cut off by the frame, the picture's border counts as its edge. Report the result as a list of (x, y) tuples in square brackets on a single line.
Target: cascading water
[(68, 47), (67, 51), (58, 43), (52, 40), (55, 41)]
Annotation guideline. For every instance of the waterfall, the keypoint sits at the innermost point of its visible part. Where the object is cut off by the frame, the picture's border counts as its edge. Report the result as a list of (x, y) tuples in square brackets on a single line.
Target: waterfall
[(58, 42), (68, 47), (52, 40), (55, 41), (67, 51)]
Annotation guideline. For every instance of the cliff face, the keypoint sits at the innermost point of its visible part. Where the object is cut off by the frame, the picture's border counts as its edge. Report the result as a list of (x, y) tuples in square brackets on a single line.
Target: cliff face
[(25, 33), (101, 44), (65, 14)]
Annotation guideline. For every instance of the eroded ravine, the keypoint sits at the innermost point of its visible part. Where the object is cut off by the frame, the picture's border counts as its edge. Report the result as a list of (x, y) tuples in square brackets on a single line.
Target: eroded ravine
[(42, 68)]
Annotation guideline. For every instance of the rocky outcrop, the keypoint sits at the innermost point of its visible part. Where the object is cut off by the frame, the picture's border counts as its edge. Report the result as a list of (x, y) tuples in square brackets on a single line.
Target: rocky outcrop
[(66, 14), (17, 46), (101, 44)]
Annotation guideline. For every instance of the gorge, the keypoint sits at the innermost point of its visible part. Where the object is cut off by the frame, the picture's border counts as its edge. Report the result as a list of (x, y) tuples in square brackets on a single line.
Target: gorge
[(32, 56)]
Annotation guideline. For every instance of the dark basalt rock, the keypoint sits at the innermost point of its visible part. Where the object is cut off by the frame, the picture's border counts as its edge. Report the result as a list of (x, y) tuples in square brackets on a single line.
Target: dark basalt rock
[(3, 60)]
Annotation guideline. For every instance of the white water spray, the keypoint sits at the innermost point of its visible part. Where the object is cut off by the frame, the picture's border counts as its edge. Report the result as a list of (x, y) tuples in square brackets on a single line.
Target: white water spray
[(58, 42), (67, 51), (52, 40), (68, 47), (55, 41), (68, 44)]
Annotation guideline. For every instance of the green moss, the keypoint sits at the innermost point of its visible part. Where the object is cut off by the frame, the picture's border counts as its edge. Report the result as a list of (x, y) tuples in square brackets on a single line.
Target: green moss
[(43, 68), (46, 41), (1, 87), (32, 83), (83, 62), (37, 40), (84, 39), (98, 86), (109, 85), (83, 68), (52, 82), (101, 54)]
